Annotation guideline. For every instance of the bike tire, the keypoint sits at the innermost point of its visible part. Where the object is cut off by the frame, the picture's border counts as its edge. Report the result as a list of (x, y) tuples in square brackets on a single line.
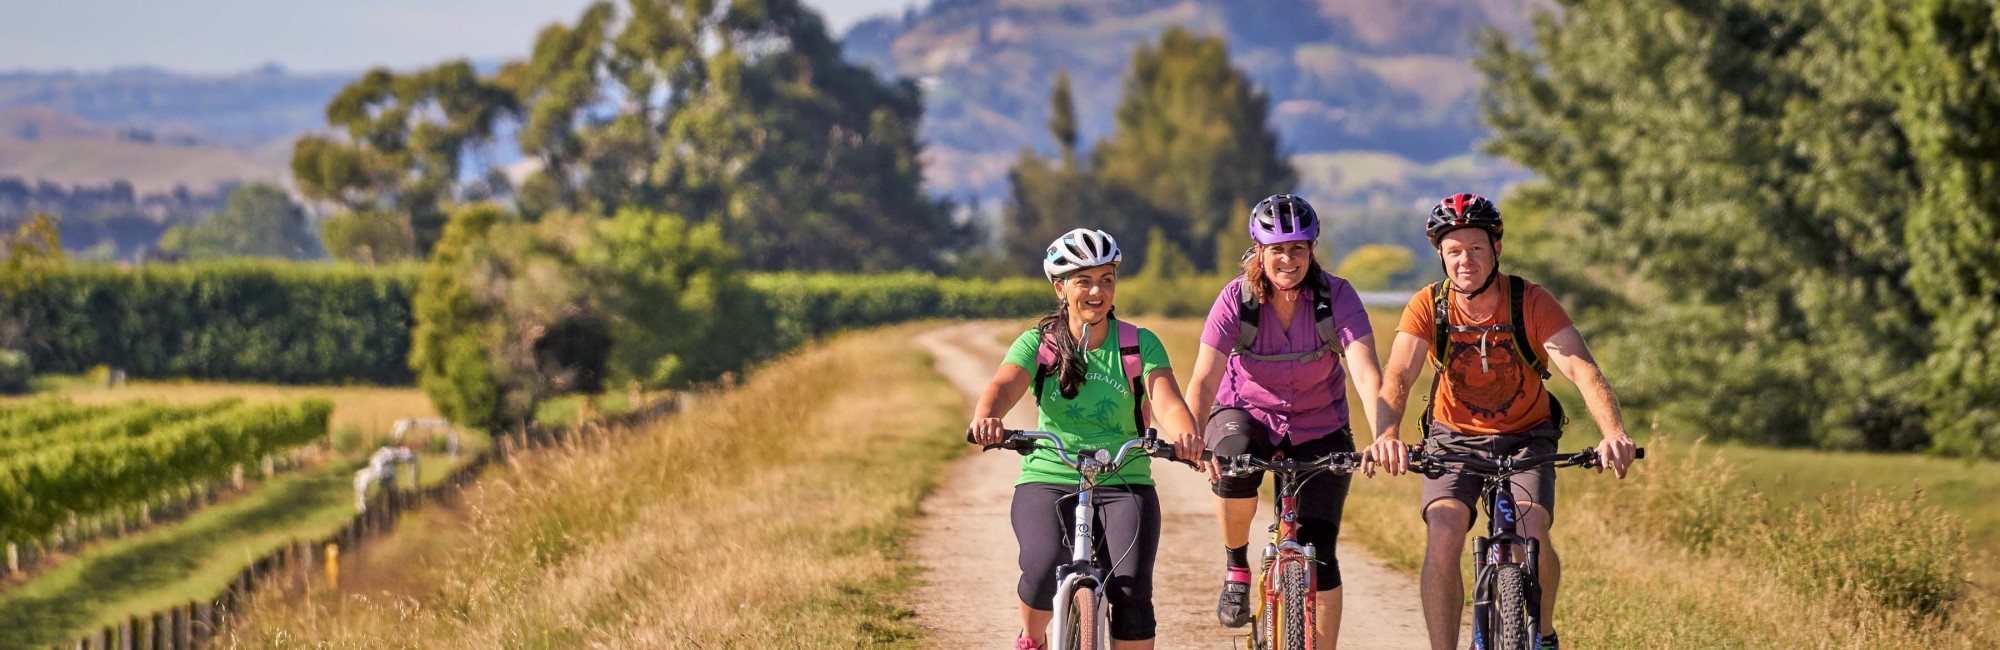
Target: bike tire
[(1083, 620), (1294, 589), (1510, 608)]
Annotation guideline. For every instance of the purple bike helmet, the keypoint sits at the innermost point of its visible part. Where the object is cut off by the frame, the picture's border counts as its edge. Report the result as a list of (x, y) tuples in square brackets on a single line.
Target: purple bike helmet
[(1283, 218)]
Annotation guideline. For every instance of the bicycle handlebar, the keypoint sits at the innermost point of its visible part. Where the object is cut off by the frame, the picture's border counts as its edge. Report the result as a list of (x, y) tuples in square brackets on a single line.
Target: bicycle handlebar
[(1586, 458), (1341, 462), (1148, 442)]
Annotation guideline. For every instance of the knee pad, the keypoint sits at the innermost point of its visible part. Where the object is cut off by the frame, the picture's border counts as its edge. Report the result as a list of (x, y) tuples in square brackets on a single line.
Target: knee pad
[(1238, 487), (1038, 590), (1322, 535), (1327, 570), (1132, 621)]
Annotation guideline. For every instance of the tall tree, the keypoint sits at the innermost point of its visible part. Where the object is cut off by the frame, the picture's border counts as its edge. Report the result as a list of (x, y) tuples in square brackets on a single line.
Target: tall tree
[(1047, 199), (260, 220), (1062, 115), (1192, 149), (1944, 51), (401, 143), (1734, 170), (742, 114)]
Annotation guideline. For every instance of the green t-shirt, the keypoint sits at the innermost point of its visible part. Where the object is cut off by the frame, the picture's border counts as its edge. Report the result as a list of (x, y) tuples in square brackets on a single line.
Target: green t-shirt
[(1101, 415)]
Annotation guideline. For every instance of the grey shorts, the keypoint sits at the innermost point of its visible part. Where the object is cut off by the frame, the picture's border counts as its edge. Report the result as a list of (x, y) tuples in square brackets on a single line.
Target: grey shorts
[(1537, 486)]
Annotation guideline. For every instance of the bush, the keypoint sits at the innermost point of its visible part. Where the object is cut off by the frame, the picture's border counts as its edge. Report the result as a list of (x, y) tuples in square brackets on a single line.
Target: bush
[(15, 370)]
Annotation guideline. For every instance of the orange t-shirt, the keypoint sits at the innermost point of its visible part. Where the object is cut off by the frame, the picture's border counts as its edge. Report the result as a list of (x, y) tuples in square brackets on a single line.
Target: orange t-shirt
[(1506, 396)]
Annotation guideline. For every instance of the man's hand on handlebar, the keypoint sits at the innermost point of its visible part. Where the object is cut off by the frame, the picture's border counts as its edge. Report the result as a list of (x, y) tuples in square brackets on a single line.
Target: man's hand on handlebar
[(1390, 453), (1616, 451)]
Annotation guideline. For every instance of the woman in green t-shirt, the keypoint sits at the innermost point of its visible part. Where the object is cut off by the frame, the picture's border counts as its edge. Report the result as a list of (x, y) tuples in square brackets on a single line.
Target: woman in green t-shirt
[(1089, 403)]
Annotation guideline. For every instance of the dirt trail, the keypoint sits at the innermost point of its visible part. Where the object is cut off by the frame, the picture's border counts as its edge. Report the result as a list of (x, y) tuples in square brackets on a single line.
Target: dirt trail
[(968, 551)]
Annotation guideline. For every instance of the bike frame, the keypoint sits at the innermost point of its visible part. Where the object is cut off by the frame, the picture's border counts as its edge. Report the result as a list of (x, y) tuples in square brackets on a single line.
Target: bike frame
[(1285, 551), (1502, 520), (1502, 540), (1083, 569)]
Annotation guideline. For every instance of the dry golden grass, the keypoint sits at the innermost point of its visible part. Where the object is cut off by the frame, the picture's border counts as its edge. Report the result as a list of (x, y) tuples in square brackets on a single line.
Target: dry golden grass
[(764, 517)]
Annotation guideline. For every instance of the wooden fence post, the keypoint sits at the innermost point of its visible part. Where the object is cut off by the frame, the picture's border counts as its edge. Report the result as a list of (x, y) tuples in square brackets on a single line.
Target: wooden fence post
[(184, 626), (13, 559), (125, 635), (203, 625)]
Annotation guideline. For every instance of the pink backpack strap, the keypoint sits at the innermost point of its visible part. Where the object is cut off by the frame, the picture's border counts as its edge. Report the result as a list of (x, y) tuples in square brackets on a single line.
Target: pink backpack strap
[(1128, 351)]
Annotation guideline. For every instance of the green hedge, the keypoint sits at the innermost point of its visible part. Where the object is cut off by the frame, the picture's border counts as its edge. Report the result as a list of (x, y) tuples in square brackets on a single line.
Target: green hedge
[(808, 306), (292, 323), (237, 321)]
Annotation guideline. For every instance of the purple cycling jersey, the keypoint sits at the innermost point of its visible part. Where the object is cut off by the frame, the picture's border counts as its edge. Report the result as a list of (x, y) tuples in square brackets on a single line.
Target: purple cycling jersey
[(1299, 401)]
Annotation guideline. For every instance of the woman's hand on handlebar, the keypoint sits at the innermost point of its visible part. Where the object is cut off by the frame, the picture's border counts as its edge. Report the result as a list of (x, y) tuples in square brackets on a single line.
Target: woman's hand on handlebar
[(1188, 450), (986, 431)]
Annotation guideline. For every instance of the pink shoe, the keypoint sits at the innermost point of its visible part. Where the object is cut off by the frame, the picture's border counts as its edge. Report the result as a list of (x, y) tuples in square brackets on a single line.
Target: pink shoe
[(1025, 643)]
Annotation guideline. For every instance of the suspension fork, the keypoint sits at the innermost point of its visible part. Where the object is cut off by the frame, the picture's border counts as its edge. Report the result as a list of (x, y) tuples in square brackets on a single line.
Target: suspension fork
[(1081, 568)]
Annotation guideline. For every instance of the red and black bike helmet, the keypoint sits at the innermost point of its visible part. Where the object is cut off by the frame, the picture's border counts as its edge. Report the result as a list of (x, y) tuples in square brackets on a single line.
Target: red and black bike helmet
[(1462, 211)]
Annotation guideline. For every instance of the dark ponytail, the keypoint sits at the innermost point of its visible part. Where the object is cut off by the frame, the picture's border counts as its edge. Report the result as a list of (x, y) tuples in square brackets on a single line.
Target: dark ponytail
[(1069, 352)]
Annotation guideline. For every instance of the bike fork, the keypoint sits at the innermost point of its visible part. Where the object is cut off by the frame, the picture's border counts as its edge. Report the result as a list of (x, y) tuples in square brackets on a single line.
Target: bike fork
[(1078, 572), (1482, 591)]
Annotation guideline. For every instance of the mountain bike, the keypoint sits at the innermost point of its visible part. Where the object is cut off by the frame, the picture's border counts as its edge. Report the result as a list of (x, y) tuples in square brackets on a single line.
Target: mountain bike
[(1082, 619), (1289, 581), (1506, 592)]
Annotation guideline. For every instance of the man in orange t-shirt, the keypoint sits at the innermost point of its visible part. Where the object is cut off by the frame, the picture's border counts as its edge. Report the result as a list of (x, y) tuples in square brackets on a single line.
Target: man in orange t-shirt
[(1489, 401)]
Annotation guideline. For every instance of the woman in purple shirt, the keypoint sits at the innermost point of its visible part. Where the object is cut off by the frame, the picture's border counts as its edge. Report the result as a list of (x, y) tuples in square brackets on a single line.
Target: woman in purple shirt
[(1275, 383)]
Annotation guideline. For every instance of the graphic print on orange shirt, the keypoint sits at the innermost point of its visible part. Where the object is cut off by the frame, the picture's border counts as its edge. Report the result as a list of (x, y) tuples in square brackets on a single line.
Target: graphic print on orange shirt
[(1487, 390), (1506, 395)]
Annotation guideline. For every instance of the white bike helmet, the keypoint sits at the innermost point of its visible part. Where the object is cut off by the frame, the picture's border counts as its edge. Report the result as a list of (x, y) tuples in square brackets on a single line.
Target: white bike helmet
[(1080, 249)]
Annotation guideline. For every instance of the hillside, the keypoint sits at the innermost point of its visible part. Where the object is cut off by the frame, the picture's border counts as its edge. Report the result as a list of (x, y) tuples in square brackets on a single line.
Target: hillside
[(1387, 89), (1342, 74)]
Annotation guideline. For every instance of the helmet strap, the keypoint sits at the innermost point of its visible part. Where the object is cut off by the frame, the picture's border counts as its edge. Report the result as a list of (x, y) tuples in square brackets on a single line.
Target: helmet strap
[(1488, 284)]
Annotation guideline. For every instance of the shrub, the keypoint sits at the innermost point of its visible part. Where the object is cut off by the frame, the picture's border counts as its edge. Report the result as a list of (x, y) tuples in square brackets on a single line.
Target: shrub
[(15, 370)]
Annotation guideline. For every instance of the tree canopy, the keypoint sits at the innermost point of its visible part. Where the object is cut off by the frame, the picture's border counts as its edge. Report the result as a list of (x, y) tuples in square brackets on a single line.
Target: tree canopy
[(741, 114), (1778, 207)]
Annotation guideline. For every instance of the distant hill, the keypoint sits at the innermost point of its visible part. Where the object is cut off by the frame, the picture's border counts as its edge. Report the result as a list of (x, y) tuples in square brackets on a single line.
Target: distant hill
[(244, 110), (1374, 99), (43, 144), (1343, 75)]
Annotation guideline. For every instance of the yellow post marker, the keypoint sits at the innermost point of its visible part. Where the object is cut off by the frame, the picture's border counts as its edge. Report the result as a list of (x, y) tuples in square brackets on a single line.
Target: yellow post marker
[(333, 566)]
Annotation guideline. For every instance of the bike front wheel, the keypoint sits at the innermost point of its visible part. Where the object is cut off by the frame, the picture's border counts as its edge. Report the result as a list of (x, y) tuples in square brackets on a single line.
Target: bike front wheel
[(1084, 618), (1294, 598), (1510, 608)]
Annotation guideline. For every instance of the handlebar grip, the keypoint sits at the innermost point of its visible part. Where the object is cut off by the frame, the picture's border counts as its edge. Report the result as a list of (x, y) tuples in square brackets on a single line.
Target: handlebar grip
[(1638, 453), (1004, 434)]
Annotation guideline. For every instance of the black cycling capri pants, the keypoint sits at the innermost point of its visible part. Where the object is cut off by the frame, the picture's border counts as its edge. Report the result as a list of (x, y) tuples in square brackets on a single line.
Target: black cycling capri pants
[(1232, 432), (1128, 538)]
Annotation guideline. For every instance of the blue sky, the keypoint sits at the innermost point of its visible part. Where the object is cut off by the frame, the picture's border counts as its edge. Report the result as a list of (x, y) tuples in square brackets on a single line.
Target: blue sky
[(216, 36)]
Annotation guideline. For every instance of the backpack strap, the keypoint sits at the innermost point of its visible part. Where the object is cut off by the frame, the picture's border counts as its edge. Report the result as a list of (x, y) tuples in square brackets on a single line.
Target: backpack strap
[(1441, 324), (1248, 310), (1128, 353), (1517, 289), (1045, 363)]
